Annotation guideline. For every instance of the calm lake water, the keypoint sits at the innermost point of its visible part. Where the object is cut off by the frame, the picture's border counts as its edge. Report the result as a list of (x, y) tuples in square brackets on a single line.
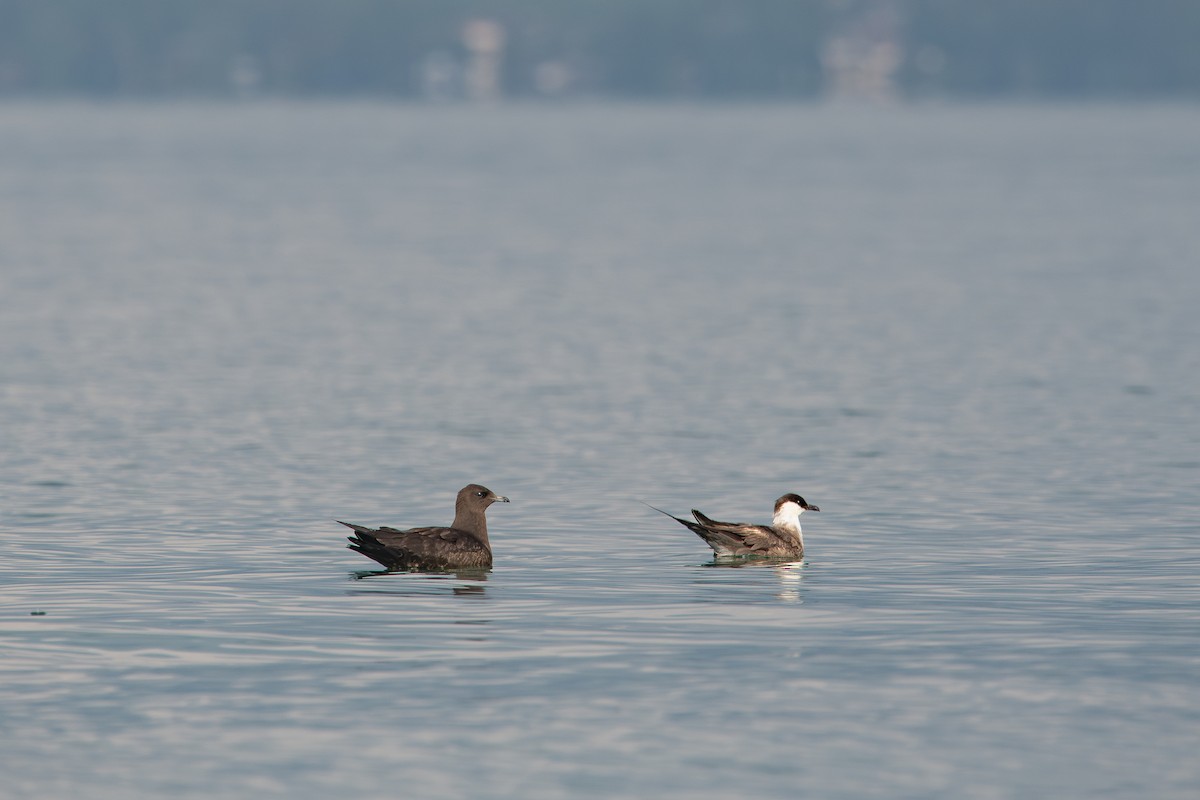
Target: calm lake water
[(971, 335)]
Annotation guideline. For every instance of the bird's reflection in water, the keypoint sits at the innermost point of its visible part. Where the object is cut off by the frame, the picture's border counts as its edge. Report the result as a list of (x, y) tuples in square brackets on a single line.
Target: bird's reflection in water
[(463, 582), (789, 576), (788, 573)]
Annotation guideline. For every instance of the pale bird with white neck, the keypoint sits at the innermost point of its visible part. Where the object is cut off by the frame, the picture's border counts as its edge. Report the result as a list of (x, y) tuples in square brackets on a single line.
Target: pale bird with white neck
[(781, 539)]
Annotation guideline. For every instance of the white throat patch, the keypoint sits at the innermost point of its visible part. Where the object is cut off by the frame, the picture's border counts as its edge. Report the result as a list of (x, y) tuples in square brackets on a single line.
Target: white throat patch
[(788, 518)]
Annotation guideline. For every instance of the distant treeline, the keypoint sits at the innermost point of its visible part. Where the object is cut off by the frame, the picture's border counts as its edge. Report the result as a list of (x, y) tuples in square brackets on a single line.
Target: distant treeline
[(633, 48)]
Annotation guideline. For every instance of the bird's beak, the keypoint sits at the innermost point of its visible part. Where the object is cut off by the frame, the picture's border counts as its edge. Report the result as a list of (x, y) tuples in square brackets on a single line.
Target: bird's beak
[(500, 499), (811, 508)]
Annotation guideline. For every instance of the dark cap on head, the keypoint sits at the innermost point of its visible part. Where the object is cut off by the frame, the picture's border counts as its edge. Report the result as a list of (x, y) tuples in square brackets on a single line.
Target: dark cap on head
[(797, 499)]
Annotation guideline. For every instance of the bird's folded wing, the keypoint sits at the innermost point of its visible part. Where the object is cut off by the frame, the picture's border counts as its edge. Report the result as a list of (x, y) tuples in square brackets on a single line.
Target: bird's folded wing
[(428, 541)]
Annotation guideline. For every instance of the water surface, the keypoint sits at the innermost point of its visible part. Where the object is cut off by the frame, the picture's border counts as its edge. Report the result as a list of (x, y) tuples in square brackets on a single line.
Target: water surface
[(968, 334)]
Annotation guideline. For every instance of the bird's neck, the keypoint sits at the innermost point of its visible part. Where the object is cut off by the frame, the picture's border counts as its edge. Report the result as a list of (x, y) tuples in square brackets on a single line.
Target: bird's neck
[(471, 520), (787, 518)]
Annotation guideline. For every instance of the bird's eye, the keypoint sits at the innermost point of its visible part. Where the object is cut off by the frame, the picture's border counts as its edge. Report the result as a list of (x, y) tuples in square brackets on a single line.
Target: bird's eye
[(481, 494)]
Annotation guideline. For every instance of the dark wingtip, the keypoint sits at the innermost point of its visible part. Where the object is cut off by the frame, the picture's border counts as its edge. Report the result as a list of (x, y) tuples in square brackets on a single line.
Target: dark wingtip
[(659, 510)]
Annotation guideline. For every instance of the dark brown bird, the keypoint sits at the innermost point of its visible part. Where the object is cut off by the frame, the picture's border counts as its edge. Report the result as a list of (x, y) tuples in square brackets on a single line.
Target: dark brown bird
[(463, 544), (781, 539)]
